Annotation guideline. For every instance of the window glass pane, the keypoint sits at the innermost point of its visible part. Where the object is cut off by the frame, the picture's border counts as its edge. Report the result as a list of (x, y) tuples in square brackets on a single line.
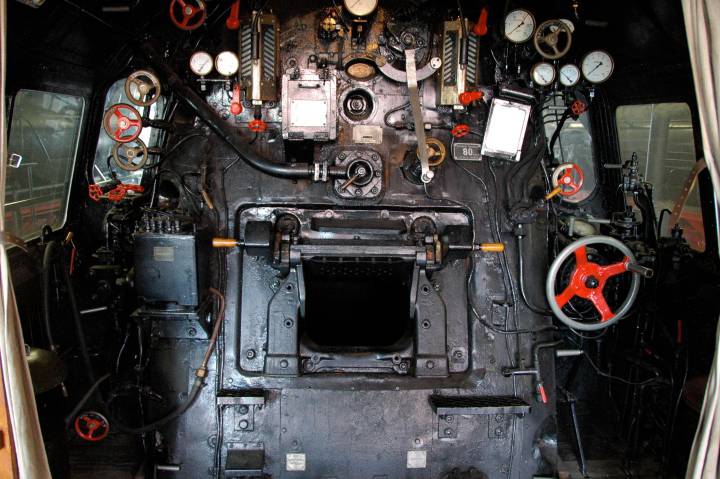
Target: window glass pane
[(574, 144), (662, 136), (44, 131), (104, 164)]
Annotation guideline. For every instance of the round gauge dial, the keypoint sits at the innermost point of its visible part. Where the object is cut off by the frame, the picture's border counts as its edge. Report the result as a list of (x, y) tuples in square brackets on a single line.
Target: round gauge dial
[(227, 63), (543, 73), (201, 63), (569, 75), (597, 66), (361, 8), (569, 24), (519, 26)]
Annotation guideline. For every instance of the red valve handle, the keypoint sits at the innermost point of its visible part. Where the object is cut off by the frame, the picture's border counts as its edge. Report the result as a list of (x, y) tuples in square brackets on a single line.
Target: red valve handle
[(588, 280), (92, 426), (460, 130), (188, 12), (233, 20), (481, 27), (578, 107), (467, 97), (120, 191), (95, 192), (235, 104), (257, 126), (567, 182), (122, 122)]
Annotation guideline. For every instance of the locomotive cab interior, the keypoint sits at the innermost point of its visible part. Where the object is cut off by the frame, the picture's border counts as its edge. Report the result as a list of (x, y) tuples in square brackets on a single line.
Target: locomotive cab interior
[(359, 239)]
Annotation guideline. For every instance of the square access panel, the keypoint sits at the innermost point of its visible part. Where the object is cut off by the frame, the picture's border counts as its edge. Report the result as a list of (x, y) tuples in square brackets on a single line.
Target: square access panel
[(309, 106)]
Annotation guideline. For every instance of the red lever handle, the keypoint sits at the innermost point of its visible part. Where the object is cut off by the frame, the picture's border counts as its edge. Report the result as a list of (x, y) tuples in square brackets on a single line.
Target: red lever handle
[(235, 104), (233, 21), (481, 27)]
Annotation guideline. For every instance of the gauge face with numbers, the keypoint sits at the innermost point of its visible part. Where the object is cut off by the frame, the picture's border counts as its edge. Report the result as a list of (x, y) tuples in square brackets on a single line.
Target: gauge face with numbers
[(519, 26), (597, 66), (201, 63), (569, 75), (543, 74), (227, 63), (361, 8)]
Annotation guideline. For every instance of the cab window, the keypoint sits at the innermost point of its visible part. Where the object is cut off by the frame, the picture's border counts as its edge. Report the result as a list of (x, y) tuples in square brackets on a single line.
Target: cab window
[(104, 167), (662, 136), (42, 145)]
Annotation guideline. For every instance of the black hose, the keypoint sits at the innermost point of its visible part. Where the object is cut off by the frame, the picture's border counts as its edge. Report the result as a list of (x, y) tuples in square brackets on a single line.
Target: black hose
[(69, 418), (222, 128), (47, 264), (521, 281)]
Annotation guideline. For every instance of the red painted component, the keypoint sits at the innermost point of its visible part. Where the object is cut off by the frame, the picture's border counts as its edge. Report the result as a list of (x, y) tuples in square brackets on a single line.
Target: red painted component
[(95, 192), (191, 16), (468, 97), (481, 27), (233, 21), (460, 130), (567, 182), (542, 393), (92, 426), (122, 122), (588, 280), (578, 107), (120, 191), (235, 104), (257, 126)]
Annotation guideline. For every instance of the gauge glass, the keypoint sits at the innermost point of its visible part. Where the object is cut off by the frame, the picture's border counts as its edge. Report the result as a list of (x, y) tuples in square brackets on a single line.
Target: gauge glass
[(543, 73), (361, 8), (597, 66), (227, 63), (569, 75), (519, 26), (201, 63)]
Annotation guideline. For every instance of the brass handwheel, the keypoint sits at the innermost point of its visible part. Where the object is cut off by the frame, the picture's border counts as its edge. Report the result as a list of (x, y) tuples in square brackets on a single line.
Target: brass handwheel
[(130, 156), (552, 39), (142, 88)]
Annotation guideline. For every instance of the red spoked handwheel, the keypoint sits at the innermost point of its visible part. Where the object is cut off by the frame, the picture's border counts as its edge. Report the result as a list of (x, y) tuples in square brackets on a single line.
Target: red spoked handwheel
[(587, 280), (188, 14), (92, 426), (569, 178), (122, 122), (257, 126), (460, 130)]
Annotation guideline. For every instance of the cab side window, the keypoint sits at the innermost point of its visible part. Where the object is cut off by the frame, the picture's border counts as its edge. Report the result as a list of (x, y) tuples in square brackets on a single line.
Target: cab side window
[(662, 136), (42, 144)]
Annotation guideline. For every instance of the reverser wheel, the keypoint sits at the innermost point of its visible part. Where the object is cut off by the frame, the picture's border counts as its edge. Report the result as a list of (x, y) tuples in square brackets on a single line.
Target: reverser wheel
[(587, 280)]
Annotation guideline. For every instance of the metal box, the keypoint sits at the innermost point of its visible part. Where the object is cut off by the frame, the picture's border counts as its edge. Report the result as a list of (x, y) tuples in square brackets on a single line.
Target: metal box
[(309, 106)]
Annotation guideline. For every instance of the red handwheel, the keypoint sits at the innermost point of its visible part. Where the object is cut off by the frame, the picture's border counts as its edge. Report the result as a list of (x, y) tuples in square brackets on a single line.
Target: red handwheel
[(460, 130), (92, 426), (188, 14), (569, 178), (122, 122), (587, 281), (257, 126)]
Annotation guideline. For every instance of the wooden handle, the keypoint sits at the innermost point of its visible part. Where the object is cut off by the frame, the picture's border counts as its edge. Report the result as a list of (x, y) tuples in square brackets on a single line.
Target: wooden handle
[(491, 247), (224, 242), (553, 193)]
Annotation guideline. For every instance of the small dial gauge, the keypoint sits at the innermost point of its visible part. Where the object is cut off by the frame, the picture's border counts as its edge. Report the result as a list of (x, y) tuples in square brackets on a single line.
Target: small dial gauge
[(597, 66), (201, 63), (543, 73), (361, 8), (569, 75), (227, 63), (569, 24), (519, 26)]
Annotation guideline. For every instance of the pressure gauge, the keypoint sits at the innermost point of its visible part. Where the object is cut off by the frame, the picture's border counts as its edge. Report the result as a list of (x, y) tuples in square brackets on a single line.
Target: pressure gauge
[(201, 63), (543, 73), (227, 63), (569, 24), (597, 66), (569, 75), (519, 26), (361, 8)]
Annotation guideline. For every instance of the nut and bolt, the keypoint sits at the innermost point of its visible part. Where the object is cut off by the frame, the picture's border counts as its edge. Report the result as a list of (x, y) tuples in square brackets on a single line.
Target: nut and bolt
[(244, 424), (250, 354), (244, 409)]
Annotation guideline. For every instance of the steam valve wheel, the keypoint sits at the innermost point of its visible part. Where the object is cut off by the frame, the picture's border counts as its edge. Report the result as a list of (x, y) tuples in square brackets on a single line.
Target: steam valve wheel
[(587, 281), (130, 156), (569, 178), (142, 88), (188, 14), (553, 39), (92, 426), (122, 122)]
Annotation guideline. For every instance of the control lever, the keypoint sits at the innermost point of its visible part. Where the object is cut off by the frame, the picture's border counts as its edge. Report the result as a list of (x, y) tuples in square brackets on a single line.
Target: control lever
[(359, 173), (426, 174)]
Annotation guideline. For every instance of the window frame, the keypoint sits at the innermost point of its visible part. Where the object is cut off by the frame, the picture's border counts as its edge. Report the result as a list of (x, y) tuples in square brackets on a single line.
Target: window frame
[(84, 114)]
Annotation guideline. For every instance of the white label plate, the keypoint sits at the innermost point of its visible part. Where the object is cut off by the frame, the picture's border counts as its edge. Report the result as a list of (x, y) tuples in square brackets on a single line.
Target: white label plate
[(417, 459), (295, 461)]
